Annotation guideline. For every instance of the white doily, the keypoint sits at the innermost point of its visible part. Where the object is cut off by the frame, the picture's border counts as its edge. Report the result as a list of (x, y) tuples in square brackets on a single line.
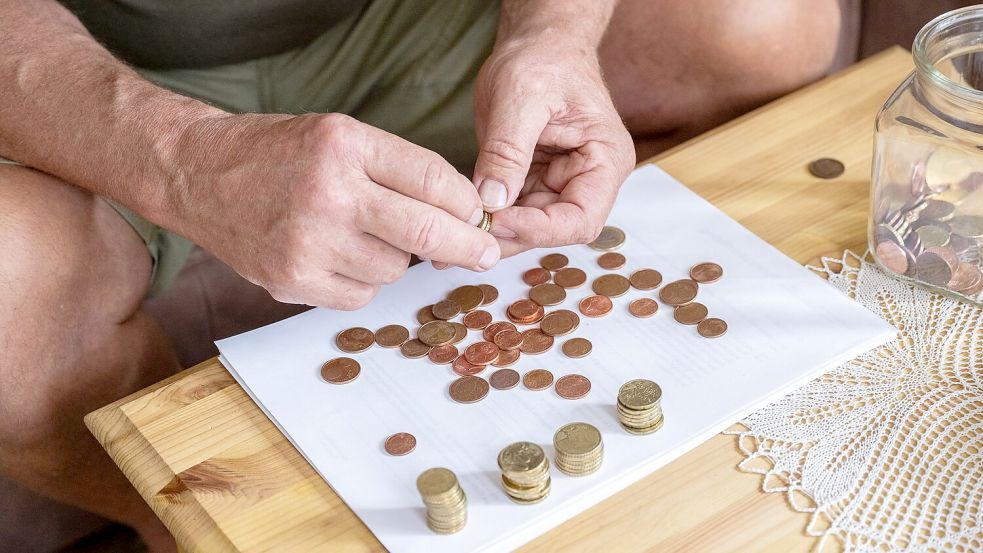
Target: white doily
[(886, 451)]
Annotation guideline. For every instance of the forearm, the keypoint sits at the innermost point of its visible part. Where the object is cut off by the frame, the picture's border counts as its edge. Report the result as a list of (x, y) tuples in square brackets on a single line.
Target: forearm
[(581, 22), (69, 108)]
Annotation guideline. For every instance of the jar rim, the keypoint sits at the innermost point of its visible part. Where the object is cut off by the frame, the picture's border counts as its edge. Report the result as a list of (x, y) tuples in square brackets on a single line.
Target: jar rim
[(926, 66)]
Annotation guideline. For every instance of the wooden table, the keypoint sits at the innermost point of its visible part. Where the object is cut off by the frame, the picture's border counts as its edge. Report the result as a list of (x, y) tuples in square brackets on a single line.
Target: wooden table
[(223, 478)]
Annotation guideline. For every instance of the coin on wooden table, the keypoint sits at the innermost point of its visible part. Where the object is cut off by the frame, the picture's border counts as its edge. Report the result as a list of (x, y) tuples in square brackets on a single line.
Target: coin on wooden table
[(611, 285), (547, 294), (645, 279), (340, 370), (712, 328), (643, 307), (534, 341), (690, 314), (570, 277), (437, 333), (354, 340), (611, 261), (536, 276), (468, 297), (559, 323), (706, 273), (443, 355), (493, 329), (525, 312), (400, 443), (508, 340), (477, 320), (392, 336), (425, 315), (892, 257), (680, 292), (826, 168), (414, 349), (554, 261), (481, 353), (446, 309), (610, 238), (596, 306), (933, 269), (468, 389), (460, 332), (504, 379), (537, 379), (462, 367), (572, 386), (507, 358), (576, 348), (489, 292)]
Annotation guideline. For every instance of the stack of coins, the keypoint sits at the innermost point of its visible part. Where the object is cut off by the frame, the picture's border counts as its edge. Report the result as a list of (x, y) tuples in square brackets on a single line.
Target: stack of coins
[(579, 449), (447, 506), (525, 472), (639, 410)]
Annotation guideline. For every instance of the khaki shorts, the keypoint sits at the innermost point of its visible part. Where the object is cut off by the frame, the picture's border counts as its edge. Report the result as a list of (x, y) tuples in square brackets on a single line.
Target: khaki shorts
[(406, 66)]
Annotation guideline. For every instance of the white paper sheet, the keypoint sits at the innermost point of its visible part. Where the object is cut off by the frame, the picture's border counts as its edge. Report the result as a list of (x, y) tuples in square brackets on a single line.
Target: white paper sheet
[(787, 326)]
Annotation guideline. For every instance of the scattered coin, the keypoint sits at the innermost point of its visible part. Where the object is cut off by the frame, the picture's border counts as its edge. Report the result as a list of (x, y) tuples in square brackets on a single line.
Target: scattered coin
[(554, 261), (576, 348), (826, 168), (534, 341), (572, 386), (610, 238), (690, 314), (611, 261), (570, 277), (477, 320), (493, 329), (712, 328), (508, 340), (504, 379), (706, 273), (680, 292), (537, 379), (462, 367), (489, 293), (468, 297), (547, 294), (481, 353), (536, 276), (425, 315), (442, 355), (611, 285), (340, 370), (643, 307), (468, 389), (525, 312), (446, 309), (354, 340), (559, 323), (437, 333), (401, 443), (460, 332), (414, 349), (595, 306), (507, 358), (645, 279), (392, 336)]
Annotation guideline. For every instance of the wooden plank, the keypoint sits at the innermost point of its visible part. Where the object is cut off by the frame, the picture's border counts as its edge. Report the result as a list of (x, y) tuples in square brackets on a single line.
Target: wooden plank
[(223, 478)]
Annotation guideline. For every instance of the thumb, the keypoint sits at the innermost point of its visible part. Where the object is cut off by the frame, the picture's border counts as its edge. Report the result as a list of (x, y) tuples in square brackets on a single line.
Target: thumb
[(506, 147)]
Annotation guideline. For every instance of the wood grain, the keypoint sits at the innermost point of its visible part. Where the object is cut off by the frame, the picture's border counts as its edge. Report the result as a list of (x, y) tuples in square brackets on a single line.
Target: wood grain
[(223, 478)]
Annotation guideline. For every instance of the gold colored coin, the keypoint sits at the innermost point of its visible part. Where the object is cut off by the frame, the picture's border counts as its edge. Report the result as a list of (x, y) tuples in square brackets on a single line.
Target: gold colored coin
[(690, 314), (611, 285), (646, 279), (576, 348), (639, 394), (446, 309), (468, 297), (554, 261), (680, 292), (610, 238), (611, 261), (547, 294), (578, 438), (392, 336), (414, 349), (437, 333), (436, 482), (570, 277), (354, 340)]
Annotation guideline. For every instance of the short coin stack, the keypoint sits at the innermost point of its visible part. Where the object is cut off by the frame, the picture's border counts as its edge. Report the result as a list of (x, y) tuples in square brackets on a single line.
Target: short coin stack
[(579, 449), (639, 409), (525, 472), (447, 506)]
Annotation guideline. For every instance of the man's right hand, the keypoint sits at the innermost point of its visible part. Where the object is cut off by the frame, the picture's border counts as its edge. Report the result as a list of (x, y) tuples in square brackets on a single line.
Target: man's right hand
[(322, 209)]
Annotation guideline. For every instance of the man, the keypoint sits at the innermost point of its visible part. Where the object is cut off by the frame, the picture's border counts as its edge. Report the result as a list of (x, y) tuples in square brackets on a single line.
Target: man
[(312, 146)]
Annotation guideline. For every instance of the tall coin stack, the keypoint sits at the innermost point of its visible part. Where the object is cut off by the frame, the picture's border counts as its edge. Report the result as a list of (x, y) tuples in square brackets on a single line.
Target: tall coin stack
[(447, 506), (639, 410), (525, 472), (579, 449)]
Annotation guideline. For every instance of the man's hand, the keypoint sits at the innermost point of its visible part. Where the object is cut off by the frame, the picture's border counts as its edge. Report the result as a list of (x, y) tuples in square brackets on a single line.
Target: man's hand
[(322, 209), (553, 150)]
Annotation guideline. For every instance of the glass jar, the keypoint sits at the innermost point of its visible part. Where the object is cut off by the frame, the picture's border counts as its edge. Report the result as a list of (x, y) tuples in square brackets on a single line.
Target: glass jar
[(926, 220)]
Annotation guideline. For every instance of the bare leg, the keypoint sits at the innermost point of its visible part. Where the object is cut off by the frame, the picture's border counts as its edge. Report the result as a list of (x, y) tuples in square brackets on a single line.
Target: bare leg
[(676, 69), (72, 276)]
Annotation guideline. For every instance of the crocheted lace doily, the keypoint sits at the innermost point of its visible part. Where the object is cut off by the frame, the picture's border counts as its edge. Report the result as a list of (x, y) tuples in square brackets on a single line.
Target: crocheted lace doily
[(886, 451)]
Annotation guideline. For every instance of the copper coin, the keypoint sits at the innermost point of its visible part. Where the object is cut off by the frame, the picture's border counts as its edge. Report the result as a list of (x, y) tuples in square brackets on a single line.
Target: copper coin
[(477, 320), (468, 297), (595, 306), (892, 257), (559, 323), (446, 309), (443, 355), (437, 333), (462, 367), (547, 294), (570, 277), (948, 255), (414, 349), (481, 353), (706, 273), (537, 379), (576, 348), (611, 261), (493, 329), (690, 314), (460, 332), (611, 285), (711, 328), (469, 389), (489, 292), (425, 315), (535, 341), (392, 336), (680, 292), (507, 358), (504, 379), (508, 340), (572, 386), (826, 168), (554, 261), (966, 277), (525, 312), (532, 277), (646, 279), (610, 238), (400, 444), (643, 308), (340, 370), (354, 340), (933, 269)]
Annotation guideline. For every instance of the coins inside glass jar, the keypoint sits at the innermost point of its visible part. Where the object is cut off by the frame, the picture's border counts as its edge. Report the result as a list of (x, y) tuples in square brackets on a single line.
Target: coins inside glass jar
[(611, 285), (354, 340)]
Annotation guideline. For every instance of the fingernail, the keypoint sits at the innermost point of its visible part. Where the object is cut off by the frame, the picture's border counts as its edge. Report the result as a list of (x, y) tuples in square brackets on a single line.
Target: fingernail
[(488, 259), (493, 194), (476, 217), (499, 231)]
